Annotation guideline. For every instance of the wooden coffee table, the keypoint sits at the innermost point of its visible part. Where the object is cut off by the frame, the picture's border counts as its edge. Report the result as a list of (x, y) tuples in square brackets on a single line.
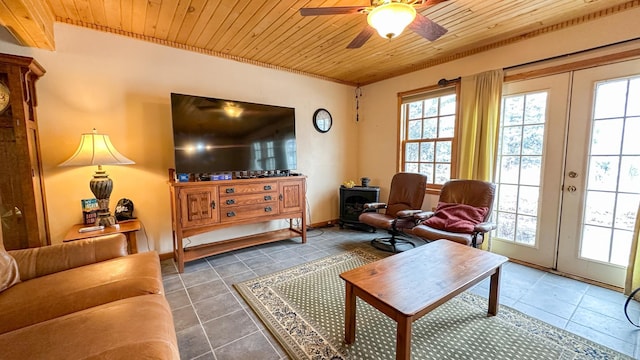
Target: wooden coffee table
[(408, 285)]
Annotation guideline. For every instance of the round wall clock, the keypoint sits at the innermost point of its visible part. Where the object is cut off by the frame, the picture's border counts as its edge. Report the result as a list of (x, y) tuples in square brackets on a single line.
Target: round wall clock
[(322, 120), (4, 97)]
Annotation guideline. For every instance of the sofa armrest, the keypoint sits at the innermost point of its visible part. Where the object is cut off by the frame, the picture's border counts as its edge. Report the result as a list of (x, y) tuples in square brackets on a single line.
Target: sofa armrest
[(40, 261)]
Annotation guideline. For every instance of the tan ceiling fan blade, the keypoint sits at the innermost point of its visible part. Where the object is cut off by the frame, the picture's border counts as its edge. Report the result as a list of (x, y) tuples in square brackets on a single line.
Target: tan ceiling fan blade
[(336, 10), (427, 3), (361, 38), (427, 28)]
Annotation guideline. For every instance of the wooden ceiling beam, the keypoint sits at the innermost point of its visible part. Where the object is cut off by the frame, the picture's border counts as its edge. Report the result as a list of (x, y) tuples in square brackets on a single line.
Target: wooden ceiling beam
[(29, 21)]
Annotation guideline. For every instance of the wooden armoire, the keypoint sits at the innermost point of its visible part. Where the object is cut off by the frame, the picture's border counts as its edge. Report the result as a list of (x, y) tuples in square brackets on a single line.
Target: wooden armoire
[(22, 201)]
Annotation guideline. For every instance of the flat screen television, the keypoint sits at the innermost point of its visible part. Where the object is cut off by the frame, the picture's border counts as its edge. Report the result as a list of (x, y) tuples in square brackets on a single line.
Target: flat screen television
[(217, 135)]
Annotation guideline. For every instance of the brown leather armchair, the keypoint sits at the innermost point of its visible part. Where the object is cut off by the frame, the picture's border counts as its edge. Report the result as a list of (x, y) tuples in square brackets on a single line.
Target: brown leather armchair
[(463, 213), (405, 200)]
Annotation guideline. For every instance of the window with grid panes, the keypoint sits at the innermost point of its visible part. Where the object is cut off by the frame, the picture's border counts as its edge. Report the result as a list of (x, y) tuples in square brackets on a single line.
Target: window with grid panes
[(428, 135)]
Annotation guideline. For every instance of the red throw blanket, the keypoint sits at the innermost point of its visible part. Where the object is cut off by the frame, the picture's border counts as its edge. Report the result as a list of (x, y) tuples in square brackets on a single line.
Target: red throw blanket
[(460, 218)]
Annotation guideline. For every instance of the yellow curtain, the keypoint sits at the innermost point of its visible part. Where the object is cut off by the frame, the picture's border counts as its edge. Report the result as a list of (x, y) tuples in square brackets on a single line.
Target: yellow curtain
[(480, 97), (633, 270)]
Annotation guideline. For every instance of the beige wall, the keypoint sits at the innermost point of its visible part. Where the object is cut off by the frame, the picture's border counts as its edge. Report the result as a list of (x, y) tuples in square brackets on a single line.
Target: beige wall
[(377, 156), (121, 86)]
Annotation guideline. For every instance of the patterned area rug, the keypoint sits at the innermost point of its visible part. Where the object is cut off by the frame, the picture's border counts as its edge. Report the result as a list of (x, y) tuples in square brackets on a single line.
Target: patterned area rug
[(303, 307)]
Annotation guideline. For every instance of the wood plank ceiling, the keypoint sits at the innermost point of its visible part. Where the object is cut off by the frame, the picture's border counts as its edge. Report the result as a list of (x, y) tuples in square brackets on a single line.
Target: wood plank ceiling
[(274, 34)]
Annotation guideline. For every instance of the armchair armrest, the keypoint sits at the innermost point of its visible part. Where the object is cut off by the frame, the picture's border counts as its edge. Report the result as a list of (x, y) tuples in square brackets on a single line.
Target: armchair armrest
[(374, 206), (484, 227), (422, 215), (36, 262)]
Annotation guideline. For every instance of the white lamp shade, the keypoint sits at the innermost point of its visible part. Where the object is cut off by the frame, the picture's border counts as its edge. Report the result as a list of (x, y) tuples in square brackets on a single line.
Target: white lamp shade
[(96, 149), (391, 19)]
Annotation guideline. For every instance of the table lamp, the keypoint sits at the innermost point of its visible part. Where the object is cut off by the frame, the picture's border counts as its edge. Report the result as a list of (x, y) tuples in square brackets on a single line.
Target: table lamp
[(96, 149)]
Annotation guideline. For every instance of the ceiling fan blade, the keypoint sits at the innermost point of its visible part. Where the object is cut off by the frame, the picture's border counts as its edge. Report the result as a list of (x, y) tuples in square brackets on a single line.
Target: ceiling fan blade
[(427, 3), (361, 38), (336, 10), (427, 28)]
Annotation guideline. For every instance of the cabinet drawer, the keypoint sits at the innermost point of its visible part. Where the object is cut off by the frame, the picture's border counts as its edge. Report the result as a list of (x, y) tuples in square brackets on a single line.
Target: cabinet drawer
[(230, 214), (249, 199), (248, 188)]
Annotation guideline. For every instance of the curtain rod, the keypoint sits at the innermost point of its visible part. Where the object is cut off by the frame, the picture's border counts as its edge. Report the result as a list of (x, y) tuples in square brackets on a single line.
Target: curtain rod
[(570, 54)]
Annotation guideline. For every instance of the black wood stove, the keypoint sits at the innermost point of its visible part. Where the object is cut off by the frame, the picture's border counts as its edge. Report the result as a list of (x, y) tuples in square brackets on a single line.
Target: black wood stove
[(351, 204)]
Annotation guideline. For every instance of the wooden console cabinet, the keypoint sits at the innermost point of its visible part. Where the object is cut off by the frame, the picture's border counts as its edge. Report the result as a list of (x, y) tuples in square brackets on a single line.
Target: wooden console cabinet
[(200, 207)]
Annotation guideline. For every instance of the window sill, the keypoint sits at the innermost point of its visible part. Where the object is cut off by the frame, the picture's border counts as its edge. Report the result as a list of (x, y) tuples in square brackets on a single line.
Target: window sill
[(431, 191)]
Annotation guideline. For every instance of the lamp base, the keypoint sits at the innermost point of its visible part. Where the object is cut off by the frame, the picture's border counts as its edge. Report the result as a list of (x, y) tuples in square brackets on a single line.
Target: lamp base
[(106, 219)]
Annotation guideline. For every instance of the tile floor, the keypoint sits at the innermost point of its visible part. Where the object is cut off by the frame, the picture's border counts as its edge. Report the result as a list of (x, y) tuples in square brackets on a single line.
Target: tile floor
[(213, 322)]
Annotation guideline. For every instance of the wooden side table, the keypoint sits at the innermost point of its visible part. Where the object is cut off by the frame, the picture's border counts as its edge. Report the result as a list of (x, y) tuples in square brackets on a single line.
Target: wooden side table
[(128, 228)]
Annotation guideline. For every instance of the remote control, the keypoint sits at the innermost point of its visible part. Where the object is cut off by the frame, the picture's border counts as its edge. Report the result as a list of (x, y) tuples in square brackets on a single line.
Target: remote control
[(91, 228)]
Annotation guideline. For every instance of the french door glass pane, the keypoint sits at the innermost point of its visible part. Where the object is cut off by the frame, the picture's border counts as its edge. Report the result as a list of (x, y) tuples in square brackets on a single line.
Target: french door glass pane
[(612, 193), (631, 145), (633, 107), (518, 178), (605, 133)]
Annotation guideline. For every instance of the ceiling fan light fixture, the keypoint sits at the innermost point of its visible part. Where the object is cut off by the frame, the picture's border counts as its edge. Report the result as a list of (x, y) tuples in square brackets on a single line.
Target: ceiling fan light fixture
[(391, 19), (232, 110)]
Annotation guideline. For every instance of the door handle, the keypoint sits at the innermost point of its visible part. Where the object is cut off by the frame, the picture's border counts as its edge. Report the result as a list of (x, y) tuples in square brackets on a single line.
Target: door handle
[(571, 188), (213, 204)]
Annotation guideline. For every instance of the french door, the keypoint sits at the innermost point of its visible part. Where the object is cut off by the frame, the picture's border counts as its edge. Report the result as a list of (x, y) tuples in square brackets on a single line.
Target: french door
[(574, 201), (602, 176), (529, 169)]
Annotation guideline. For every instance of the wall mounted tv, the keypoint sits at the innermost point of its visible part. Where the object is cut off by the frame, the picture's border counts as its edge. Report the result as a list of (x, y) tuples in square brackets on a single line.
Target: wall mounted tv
[(217, 135)]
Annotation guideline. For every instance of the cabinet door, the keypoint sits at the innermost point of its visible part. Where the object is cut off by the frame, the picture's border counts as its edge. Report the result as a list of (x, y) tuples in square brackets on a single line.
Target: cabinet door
[(291, 196), (199, 206)]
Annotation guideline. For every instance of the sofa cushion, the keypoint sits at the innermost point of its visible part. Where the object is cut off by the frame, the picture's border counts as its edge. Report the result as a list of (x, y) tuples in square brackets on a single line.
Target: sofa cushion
[(61, 293), (45, 260), (135, 328), (459, 218), (8, 269)]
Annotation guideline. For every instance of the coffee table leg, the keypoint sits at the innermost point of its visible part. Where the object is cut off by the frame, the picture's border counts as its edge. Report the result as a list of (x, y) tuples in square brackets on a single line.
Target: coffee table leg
[(494, 292), (349, 314), (403, 339)]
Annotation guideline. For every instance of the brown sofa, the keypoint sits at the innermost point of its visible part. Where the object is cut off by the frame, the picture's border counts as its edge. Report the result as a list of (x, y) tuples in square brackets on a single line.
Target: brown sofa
[(85, 299)]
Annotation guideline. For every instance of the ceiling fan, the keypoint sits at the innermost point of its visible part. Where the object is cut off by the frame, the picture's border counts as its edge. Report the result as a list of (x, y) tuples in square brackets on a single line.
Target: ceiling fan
[(388, 17)]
